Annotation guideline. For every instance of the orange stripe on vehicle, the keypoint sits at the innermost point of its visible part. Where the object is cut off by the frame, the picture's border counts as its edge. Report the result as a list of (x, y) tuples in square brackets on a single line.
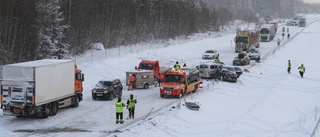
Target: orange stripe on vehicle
[(33, 100)]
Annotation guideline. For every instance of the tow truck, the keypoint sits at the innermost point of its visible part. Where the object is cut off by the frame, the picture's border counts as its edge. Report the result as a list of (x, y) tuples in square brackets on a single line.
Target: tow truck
[(175, 84)]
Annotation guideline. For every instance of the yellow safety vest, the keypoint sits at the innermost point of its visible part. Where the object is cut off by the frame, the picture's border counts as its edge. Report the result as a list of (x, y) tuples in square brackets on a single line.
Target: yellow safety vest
[(119, 107)]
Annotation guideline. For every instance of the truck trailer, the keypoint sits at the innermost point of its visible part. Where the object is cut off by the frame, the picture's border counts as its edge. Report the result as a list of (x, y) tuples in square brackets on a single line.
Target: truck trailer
[(267, 32), (39, 88)]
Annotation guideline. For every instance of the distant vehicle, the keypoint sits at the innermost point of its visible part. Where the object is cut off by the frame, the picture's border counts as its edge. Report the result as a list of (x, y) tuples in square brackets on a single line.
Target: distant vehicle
[(293, 23), (302, 22), (242, 59), (267, 32), (193, 74), (246, 40), (107, 89), (254, 54), (210, 54)]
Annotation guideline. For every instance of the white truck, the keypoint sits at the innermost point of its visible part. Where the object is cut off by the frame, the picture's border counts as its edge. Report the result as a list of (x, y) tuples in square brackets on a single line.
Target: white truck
[(39, 88), (267, 32)]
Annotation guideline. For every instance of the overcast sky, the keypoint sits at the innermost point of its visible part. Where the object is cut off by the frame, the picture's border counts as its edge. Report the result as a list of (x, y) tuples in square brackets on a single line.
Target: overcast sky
[(312, 1)]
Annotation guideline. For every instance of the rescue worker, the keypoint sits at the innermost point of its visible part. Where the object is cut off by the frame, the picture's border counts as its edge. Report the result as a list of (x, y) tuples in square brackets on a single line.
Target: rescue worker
[(119, 111), (160, 78), (132, 81), (176, 66), (289, 66), (217, 60), (184, 65), (278, 41), (288, 36), (131, 103), (302, 69)]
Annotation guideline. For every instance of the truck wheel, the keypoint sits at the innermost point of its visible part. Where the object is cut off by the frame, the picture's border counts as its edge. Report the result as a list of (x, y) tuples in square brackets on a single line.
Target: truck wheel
[(76, 102), (50, 105), (46, 110), (146, 86), (55, 107)]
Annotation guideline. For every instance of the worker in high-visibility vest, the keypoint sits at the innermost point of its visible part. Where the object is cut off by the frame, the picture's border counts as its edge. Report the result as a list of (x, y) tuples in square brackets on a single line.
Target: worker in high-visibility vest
[(131, 104), (302, 69), (119, 111)]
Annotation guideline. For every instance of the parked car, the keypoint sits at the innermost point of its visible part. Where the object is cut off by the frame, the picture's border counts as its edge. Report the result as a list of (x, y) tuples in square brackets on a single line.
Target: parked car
[(107, 89), (210, 54), (242, 59), (192, 73), (254, 54)]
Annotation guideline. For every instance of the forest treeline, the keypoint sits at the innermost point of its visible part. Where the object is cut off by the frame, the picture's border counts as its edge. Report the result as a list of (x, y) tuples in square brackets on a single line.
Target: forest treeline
[(40, 29)]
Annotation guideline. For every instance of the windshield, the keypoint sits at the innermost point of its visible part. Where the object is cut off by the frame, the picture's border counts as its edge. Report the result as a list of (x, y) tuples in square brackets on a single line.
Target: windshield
[(172, 78), (228, 68), (145, 66), (264, 31), (209, 51), (242, 39), (104, 84)]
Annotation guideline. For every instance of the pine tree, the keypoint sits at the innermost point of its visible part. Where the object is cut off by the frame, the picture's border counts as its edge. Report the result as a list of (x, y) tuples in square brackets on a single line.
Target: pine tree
[(50, 33)]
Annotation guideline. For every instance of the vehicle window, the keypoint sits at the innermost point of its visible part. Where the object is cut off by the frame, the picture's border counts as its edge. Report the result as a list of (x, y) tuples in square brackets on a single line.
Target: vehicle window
[(209, 51), (145, 66), (172, 78), (212, 66)]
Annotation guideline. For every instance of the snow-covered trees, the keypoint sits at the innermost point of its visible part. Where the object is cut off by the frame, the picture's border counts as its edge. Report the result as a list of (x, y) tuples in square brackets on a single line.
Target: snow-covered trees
[(50, 30)]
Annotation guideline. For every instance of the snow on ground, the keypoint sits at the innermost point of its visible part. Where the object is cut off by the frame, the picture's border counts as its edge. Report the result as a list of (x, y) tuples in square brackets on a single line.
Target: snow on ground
[(267, 101)]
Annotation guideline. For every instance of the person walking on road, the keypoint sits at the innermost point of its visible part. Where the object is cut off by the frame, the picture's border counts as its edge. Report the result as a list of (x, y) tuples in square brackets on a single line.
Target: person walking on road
[(289, 66), (278, 41), (119, 111), (288, 36), (283, 35), (131, 103), (302, 70)]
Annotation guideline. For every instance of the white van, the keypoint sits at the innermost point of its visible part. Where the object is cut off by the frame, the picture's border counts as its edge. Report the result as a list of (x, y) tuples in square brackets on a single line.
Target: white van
[(209, 70)]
